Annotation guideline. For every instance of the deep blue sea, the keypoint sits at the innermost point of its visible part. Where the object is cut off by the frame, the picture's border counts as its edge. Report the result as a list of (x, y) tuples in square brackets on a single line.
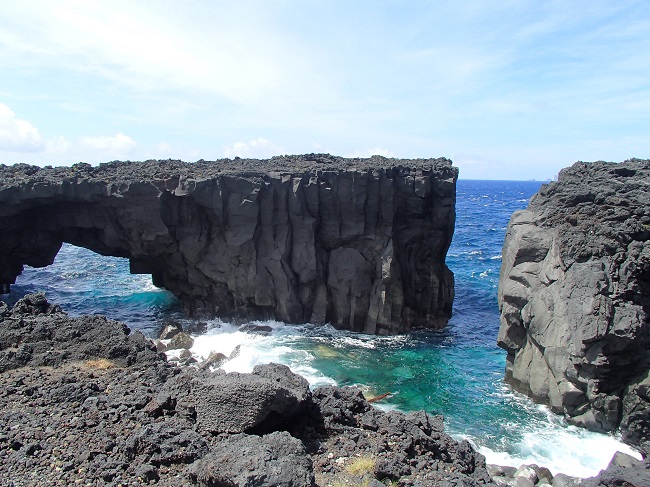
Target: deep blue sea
[(457, 372)]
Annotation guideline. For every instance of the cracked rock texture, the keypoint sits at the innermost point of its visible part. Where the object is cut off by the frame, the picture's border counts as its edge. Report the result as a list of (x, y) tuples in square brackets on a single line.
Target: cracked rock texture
[(574, 296), (358, 243), (117, 414)]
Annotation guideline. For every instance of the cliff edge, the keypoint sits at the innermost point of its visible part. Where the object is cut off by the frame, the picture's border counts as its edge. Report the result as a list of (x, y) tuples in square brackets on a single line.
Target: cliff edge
[(358, 243), (574, 295)]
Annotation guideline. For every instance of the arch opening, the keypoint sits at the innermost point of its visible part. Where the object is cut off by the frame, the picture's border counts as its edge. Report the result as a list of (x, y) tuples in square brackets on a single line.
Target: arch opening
[(84, 282)]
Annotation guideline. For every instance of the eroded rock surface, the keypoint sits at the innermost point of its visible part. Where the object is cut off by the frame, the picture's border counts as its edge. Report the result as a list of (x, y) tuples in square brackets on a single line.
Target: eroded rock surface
[(574, 296), (117, 413), (359, 243)]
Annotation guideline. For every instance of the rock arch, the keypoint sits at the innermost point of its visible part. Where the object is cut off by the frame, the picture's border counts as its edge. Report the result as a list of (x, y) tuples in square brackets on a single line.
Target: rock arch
[(360, 243)]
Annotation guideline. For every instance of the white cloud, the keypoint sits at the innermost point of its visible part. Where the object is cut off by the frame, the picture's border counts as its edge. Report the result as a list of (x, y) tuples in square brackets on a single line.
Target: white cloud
[(227, 50), (116, 144), (377, 151), (260, 147), (18, 135), (57, 145), (164, 148), (500, 81)]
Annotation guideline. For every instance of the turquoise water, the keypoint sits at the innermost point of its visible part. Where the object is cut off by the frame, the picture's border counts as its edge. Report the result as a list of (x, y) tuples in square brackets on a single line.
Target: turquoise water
[(456, 372)]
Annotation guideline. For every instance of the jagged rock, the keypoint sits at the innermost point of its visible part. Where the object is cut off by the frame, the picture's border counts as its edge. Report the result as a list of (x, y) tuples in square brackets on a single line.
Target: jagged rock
[(574, 296), (236, 402), (341, 406), (215, 359), (562, 480), (358, 243), (34, 304), (623, 470), (255, 328), (276, 459), (169, 331), (38, 333), (135, 418), (167, 443), (635, 423), (235, 352), (180, 340)]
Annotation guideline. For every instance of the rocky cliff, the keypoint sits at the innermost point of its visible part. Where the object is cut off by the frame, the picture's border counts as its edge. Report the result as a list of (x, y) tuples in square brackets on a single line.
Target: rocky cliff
[(574, 296), (359, 243)]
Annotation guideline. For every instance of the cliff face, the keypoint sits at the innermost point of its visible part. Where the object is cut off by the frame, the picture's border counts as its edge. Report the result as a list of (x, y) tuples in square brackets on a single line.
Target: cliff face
[(359, 243), (574, 296)]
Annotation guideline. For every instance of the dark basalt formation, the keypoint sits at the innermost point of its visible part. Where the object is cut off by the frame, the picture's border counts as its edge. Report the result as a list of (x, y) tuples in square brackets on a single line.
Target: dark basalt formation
[(359, 243), (574, 295), (85, 402)]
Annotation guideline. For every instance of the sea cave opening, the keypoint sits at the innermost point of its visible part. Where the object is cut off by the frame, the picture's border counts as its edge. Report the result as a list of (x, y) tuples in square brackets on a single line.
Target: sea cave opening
[(84, 282)]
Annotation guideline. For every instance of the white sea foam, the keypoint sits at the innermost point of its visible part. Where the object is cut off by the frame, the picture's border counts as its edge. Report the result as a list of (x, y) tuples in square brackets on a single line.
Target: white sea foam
[(148, 287), (569, 450), (256, 349), (552, 443), (547, 442)]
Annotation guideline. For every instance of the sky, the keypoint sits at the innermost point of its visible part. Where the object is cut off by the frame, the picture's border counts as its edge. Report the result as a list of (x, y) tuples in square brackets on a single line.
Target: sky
[(513, 89)]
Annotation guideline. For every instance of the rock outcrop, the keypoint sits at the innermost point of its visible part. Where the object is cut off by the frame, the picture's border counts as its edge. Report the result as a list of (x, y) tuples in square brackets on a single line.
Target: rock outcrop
[(574, 295), (109, 410), (359, 243)]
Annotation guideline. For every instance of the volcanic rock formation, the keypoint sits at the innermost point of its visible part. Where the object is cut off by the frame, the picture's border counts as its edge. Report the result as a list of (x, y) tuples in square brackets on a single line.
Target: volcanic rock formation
[(359, 243), (85, 402), (574, 296)]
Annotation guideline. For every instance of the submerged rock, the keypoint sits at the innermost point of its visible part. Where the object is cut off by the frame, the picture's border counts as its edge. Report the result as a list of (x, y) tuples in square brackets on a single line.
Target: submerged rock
[(358, 243), (574, 296)]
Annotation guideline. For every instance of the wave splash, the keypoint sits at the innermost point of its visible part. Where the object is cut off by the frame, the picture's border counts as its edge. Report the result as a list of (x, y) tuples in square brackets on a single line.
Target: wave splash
[(317, 352)]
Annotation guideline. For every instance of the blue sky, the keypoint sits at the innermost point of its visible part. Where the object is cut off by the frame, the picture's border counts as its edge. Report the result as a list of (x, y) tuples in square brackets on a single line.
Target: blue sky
[(507, 90)]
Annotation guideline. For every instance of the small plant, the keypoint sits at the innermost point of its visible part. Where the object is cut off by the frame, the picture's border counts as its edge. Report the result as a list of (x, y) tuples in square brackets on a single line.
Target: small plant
[(100, 364), (361, 466)]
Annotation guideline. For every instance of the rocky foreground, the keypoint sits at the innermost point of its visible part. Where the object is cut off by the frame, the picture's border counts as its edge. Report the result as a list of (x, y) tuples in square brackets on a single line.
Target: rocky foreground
[(357, 243), (85, 402), (574, 294)]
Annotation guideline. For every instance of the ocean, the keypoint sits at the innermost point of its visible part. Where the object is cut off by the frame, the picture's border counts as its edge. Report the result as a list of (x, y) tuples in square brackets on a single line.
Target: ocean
[(456, 372)]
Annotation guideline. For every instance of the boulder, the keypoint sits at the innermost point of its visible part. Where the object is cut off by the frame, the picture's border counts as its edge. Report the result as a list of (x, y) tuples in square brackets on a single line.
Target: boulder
[(180, 340), (237, 402), (214, 360), (623, 470), (273, 460), (169, 330)]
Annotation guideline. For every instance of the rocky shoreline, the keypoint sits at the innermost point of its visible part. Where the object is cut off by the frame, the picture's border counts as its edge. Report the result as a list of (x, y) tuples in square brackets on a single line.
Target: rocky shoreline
[(86, 402)]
